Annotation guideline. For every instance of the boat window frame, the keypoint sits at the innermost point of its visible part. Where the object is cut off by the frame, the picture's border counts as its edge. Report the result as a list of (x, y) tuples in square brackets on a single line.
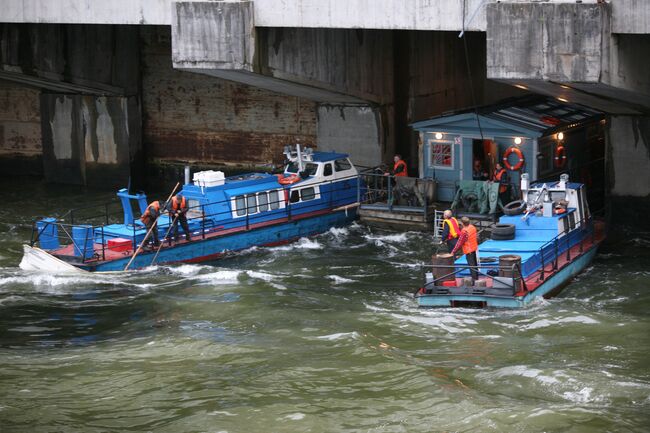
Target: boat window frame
[(240, 211), (313, 193), (275, 202), (345, 161), (259, 201), (248, 206)]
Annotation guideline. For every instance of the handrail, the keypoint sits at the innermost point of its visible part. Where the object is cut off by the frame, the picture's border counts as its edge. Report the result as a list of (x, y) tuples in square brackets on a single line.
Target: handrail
[(586, 229)]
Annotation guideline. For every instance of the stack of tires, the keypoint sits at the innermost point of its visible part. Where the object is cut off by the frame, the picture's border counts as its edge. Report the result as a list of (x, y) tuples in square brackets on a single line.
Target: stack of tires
[(503, 232)]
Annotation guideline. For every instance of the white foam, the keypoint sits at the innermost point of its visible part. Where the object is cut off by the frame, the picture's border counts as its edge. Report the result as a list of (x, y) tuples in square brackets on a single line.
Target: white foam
[(340, 336), (188, 270), (339, 232), (545, 323), (449, 323), (582, 396), (261, 275), (301, 244), (295, 416), (222, 277), (339, 280), (398, 238)]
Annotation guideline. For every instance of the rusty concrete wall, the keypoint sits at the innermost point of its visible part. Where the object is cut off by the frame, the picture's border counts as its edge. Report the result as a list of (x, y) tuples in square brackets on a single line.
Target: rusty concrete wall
[(20, 120), (191, 117)]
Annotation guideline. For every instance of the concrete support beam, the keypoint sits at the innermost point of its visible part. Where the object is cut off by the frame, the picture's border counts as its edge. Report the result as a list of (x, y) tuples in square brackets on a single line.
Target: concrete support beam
[(631, 17), (568, 51), (335, 66)]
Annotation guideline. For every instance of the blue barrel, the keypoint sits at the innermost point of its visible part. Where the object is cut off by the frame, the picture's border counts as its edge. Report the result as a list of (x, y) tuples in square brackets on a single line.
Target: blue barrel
[(82, 237), (48, 234)]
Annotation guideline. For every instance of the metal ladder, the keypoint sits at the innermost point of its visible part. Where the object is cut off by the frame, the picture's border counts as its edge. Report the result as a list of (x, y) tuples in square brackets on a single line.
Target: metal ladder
[(437, 223)]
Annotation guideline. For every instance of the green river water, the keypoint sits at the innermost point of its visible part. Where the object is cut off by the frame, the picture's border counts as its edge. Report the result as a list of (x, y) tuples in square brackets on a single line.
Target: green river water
[(322, 335)]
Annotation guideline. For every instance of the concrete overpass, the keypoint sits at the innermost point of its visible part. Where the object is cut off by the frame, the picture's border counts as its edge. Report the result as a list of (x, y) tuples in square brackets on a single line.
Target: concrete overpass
[(369, 67)]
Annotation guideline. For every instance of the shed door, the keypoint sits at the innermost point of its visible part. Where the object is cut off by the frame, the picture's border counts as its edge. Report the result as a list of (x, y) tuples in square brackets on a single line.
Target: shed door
[(444, 164)]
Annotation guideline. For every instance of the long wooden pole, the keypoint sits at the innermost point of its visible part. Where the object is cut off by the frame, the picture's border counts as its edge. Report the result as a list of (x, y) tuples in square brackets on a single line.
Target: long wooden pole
[(154, 225)]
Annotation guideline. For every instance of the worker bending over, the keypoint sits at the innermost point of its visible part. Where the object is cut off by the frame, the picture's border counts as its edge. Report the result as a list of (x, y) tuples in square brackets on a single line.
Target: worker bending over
[(178, 214), (150, 219), (468, 241)]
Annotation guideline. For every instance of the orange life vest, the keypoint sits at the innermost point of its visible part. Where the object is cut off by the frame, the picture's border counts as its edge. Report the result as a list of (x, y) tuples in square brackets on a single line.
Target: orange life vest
[(471, 244), (178, 206), (454, 229), (147, 213), (404, 172), (498, 175)]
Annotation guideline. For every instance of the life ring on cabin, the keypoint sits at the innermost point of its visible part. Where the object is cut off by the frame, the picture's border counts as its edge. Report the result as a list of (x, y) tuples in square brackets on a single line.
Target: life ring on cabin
[(516, 151), (293, 178), (560, 157)]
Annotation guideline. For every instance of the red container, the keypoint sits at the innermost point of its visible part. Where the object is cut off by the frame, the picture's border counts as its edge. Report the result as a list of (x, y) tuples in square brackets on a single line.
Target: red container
[(119, 244), (449, 283)]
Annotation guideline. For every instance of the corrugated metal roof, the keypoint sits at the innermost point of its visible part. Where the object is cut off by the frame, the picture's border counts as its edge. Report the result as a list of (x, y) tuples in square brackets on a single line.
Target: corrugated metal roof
[(540, 114)]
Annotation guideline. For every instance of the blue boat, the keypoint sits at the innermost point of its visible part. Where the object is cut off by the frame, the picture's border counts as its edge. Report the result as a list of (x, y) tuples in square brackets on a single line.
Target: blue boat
[(317, 191), (548, 237)]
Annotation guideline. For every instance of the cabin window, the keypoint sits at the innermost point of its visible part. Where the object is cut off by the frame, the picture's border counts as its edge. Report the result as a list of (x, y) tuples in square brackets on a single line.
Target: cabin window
[(442, 154), (342, 165), (240, 205), (251, 203), (295, 196), (327, 171), (263, 201), (307, 194), (274, 200), (309, 168)]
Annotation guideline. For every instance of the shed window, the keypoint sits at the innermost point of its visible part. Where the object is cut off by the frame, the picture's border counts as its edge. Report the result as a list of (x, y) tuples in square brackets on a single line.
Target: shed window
[(240, 205), (307, 194), (251, 202), (263, 201), (274, 200), (342, 164), (442, 154)]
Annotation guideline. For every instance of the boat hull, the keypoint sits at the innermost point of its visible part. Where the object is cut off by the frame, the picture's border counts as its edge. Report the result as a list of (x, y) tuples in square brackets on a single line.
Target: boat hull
[(212, 248), (552, 285)]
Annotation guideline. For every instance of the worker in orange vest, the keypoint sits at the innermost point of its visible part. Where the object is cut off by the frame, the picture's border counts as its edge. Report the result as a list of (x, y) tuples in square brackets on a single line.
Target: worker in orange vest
[(468, 241), (150, 220), (399, 168), (500, 175), (178, 214), (450, 229)]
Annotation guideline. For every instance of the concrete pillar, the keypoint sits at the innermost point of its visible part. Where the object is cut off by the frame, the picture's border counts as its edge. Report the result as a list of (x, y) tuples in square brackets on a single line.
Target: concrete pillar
[(89, 140), (356, 130)]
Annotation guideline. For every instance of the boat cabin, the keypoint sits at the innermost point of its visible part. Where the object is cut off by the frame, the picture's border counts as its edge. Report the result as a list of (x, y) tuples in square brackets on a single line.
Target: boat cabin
[(538, 135)]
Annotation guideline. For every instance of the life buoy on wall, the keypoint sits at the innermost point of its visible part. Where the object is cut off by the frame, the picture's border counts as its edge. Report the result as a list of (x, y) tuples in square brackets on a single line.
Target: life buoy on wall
[(289, 179), (560, 157), (516, 151)]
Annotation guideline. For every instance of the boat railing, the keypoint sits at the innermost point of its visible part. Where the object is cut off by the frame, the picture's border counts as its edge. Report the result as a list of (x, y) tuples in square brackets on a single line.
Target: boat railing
[(550, 253), (347, 196), (481, 270), (398, 192)]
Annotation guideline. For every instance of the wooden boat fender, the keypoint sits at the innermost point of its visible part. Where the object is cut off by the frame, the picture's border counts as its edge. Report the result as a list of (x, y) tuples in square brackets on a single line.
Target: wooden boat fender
[(516, 151)]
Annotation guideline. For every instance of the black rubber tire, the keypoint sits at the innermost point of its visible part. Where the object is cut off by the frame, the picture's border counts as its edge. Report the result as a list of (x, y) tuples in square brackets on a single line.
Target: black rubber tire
[(516, 207), (498, 237), (503, 229)]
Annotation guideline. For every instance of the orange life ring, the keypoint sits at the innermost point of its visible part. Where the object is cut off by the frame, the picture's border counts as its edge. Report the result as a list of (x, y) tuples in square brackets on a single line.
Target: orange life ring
[(560, 157), (289, 179), (516, 151)]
